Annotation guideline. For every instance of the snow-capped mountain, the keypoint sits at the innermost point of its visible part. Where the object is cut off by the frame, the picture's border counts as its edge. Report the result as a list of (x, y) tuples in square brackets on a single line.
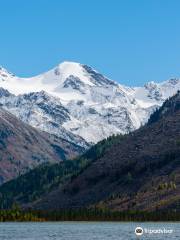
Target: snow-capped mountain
[(77, 103)]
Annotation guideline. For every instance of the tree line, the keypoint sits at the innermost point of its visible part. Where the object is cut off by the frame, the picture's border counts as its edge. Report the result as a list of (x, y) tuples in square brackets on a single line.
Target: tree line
[(86, 214)]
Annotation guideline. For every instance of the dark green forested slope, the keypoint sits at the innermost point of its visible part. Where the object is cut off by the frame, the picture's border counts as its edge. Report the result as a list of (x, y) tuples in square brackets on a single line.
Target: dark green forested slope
[(138, 171), (141, 172), (45, 178)]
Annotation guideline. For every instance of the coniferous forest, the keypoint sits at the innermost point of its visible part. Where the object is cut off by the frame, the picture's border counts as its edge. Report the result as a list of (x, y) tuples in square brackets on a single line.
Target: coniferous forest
[(84, 214), (134, 177)]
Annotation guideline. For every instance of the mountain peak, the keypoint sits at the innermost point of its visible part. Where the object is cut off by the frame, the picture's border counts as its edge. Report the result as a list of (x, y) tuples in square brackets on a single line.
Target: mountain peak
[(174, 81), (85, 73), (58, 75), (4, 74), (72, 67), (169, 107), (69, 63)]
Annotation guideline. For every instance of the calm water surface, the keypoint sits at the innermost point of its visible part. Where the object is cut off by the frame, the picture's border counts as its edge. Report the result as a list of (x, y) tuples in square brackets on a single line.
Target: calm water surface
[(84, 231)]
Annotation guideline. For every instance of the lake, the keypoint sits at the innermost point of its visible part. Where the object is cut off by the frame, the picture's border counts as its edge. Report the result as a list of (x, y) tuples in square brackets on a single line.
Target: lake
[(88, 231)]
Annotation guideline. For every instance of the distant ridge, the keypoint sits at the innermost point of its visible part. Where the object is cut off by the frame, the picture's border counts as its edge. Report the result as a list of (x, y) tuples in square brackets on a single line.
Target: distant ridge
[(23, 147)]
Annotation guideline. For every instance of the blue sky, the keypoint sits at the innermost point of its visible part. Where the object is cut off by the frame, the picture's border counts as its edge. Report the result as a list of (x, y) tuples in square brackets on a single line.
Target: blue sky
[(130, 41)]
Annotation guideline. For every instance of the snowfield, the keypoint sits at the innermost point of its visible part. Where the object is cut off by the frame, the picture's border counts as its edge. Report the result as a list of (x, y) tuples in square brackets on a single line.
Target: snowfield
[(79, 104)]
